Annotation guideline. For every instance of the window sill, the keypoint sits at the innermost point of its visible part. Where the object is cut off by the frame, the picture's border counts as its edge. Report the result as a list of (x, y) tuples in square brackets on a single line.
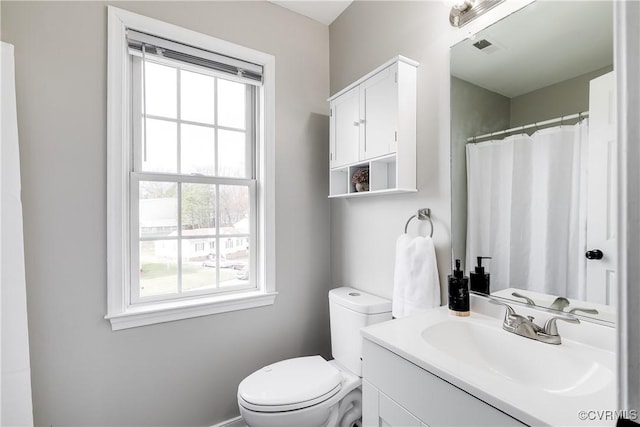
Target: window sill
[(133, 317)]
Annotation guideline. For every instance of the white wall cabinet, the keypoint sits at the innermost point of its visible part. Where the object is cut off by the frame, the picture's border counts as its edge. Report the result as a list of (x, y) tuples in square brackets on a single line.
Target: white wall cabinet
[(395, 392), (373, 126), (345, 129), (379, 107)]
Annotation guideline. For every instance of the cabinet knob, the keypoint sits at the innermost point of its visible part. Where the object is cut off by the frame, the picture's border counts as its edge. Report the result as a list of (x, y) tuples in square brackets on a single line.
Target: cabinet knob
[(356, 123)]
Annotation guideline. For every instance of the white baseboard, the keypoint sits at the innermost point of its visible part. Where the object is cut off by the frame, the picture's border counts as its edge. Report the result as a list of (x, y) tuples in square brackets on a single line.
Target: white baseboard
[(233, 422)]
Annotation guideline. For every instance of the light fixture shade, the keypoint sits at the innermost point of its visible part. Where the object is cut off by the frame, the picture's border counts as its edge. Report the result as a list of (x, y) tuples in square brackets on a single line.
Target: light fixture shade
[(468, 10)]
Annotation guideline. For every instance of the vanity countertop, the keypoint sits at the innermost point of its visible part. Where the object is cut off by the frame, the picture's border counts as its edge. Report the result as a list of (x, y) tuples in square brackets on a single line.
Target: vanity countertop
[(546, 390)]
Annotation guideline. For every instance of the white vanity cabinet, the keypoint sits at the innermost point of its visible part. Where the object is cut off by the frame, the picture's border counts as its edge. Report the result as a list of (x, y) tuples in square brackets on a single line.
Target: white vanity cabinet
[(373, 126), (398, 393)]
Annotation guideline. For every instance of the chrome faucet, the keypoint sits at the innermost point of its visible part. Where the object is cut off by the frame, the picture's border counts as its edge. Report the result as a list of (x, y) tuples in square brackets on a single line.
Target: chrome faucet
[(560, 304), (526, 327)]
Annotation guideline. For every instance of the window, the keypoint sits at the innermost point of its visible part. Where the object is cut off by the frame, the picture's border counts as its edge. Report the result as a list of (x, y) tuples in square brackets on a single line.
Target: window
[(193, 174), (190, 123)]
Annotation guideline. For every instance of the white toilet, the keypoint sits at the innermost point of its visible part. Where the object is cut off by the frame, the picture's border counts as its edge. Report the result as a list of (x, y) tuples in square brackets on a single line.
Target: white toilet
[(309, 391)]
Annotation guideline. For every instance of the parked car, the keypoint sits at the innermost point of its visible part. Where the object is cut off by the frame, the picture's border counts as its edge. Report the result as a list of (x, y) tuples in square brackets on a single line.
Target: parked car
[(238, 265), (211, 261), (243, 274)]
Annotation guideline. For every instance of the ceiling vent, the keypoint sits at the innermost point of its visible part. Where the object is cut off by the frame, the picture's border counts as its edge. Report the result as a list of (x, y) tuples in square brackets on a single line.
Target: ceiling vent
[(485, 46), (482, 44)]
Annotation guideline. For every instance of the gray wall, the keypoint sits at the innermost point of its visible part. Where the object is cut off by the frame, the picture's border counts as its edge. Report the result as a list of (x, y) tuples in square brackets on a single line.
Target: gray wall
[(474, 111), (561, 99), (184, 372), (364, 230)]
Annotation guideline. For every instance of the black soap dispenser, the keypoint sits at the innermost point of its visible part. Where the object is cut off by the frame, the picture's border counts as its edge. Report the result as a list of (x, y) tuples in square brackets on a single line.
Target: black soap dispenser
[(458, 292), (480, 279)]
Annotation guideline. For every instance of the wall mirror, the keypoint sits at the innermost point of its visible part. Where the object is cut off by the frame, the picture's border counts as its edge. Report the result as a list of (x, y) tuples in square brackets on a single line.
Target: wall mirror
[(533, 157)]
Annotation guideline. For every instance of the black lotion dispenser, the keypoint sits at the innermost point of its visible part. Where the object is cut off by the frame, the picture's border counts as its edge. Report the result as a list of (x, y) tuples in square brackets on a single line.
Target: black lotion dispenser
[(458, 292), (480, 279)]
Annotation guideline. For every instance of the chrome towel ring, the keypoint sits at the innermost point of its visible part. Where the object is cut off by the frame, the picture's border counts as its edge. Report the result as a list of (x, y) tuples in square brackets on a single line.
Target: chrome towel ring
[(423, 214)]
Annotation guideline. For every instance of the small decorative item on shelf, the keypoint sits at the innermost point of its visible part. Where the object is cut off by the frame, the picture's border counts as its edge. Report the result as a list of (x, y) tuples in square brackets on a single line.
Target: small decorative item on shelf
[(361, 179)]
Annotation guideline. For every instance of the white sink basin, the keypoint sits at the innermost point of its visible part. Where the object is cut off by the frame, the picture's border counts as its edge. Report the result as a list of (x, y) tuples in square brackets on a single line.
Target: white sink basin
[(534, 382), (568, 369)]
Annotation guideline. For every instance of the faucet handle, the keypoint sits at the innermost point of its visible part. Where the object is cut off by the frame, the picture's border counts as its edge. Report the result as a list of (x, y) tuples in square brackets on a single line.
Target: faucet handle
[(509, 315), (550, 327), (510, 311), (584, 310), (559, 303), (528, 300)]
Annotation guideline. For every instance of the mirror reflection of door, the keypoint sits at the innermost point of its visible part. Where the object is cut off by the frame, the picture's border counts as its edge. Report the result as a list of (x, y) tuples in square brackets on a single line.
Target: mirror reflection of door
[(602, 195)]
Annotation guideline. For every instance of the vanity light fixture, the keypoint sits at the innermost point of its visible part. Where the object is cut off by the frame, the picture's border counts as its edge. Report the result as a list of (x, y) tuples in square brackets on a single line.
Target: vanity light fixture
[(468, 10)]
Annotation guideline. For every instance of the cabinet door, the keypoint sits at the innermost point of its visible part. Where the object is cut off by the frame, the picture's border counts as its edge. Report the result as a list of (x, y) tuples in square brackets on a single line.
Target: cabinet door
[(345, 128), (392, 415), (370, 405), (378, 410), (425, 398), (379, 105)]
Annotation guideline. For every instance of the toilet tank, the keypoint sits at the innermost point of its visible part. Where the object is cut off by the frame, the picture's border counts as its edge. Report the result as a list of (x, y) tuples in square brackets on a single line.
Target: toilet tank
[(349, 311)]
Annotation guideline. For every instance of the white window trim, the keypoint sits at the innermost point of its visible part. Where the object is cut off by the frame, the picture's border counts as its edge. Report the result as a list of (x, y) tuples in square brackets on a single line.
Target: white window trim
[(119, 310)]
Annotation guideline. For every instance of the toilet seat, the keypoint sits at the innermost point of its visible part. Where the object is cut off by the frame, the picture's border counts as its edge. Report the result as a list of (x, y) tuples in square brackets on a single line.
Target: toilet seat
[(289, 385)]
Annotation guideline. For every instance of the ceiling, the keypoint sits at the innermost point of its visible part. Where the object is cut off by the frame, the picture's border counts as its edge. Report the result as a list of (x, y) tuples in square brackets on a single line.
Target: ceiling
[(537, 46), (323, 11), (544, 43)]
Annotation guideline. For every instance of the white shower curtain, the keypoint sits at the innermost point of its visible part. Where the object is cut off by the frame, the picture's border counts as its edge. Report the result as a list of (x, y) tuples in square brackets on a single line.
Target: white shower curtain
[(16, 406), (526, 209)]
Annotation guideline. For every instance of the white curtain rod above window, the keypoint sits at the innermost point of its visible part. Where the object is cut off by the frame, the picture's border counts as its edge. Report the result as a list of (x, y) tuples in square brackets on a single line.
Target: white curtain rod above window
[(529, 126)]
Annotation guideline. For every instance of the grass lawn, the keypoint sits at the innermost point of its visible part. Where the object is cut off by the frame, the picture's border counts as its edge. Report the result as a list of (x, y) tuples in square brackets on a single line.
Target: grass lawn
[(159, 278)]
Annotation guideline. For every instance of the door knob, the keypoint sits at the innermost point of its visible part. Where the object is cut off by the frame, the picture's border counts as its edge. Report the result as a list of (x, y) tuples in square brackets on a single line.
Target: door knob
[(594, 254)]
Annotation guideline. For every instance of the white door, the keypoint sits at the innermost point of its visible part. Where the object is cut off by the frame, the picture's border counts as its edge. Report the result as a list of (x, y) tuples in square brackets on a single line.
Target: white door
[(345, 128), (380, 112), (602, 194)]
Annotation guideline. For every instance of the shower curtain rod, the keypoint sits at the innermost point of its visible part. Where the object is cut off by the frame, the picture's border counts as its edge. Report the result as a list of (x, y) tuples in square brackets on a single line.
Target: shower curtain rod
[(532, 125)]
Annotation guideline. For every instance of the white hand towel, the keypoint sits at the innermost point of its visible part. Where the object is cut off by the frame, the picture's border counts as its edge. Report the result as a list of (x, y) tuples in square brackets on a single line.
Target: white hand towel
[(416, 286)]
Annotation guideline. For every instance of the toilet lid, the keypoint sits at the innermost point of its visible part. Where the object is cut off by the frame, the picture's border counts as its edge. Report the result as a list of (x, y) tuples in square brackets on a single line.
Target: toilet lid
[(290, 384)]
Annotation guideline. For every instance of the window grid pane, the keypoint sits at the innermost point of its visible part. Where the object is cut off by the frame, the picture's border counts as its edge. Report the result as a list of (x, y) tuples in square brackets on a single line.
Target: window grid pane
[(172, 136), (181, 135), (198, 150), (231, 104), (199, 250), (198, 97), (160, 142), (160, 89), (179, 233), (158, 268)]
